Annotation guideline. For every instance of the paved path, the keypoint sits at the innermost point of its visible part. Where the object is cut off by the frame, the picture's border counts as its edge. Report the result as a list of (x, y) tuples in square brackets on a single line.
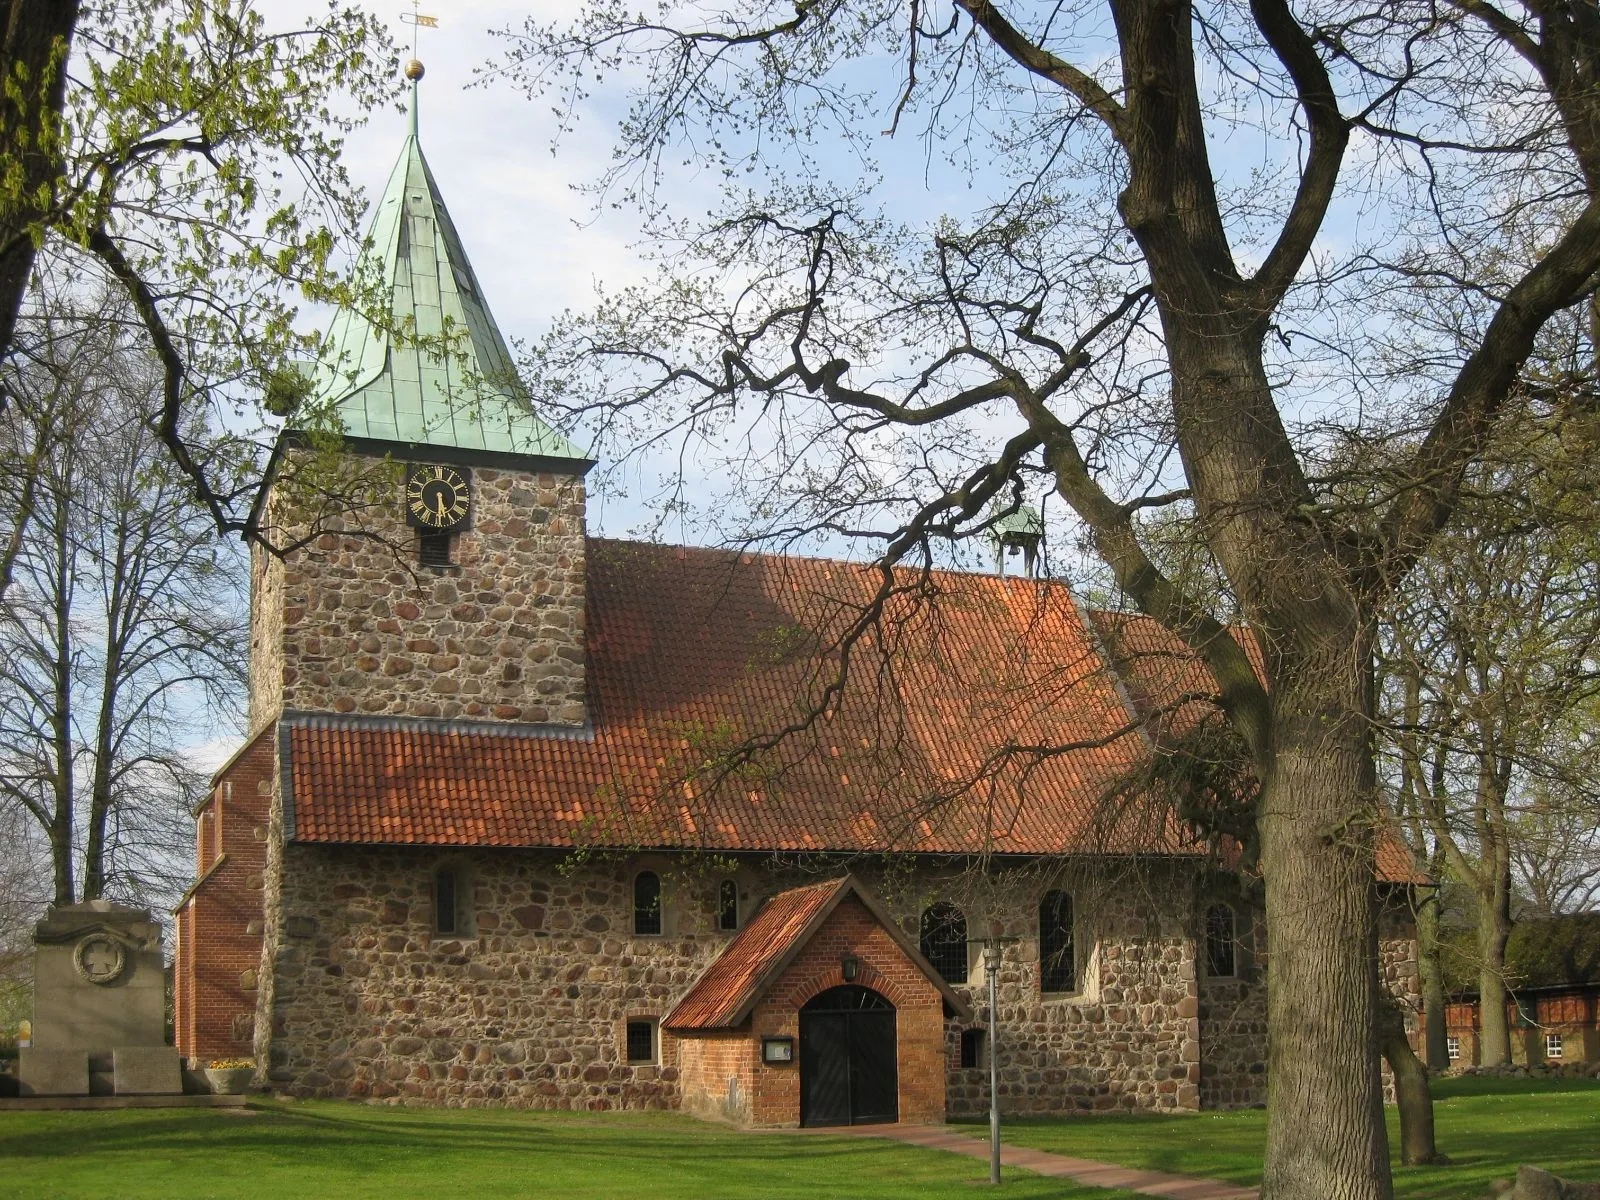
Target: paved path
[(1042, 1162)]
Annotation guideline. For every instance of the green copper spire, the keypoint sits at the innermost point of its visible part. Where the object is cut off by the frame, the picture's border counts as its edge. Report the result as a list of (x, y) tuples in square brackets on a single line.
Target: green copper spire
[(466, 397)]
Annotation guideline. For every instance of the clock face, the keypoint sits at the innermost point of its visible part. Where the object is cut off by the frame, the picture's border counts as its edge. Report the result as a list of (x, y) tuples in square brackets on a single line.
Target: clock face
[(437, 497)]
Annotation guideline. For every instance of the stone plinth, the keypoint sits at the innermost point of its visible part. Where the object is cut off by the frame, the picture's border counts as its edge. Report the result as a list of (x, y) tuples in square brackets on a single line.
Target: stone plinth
[(53, 1072), (147, 1070), (99, 992)]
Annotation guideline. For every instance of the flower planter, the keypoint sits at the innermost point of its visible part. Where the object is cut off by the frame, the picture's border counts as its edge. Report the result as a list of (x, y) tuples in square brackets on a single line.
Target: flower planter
[(230, 1081)]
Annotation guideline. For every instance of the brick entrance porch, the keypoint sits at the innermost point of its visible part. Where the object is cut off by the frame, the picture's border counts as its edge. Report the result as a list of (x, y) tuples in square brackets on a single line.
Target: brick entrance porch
[(738, 1029)]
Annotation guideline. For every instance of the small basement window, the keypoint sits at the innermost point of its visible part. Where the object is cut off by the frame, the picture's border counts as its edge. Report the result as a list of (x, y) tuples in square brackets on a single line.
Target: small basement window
[(1452, 1048), (727, 905), (433, 549), (641, 1041), (1552, 1045), (972, 1047)]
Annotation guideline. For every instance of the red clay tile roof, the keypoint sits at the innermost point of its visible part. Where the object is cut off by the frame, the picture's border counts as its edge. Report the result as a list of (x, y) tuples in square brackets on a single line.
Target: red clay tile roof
[(731, 984), (981, 716), (1163, 677), (1165, 680), (754, 959), (691, 650)]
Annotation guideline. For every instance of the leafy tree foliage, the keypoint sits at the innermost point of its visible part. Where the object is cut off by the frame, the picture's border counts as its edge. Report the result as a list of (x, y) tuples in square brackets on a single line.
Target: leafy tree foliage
[(191, 151)]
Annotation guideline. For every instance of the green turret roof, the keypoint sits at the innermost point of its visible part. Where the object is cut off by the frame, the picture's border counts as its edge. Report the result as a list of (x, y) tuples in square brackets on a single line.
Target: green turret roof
[(465, 397), (1025, 522)]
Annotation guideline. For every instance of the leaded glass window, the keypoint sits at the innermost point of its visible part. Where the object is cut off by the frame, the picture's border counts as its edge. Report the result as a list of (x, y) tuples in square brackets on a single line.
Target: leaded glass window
[(647, 902), (1221, 941), (944, 941), (1058, 967)]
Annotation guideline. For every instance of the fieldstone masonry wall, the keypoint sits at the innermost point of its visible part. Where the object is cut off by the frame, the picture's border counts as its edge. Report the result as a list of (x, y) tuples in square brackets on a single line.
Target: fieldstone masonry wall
[(1397, 959), (365, 1000), (353, 624), (530, 1011), (1128, 1040), (1233, 1022), (266, 637)]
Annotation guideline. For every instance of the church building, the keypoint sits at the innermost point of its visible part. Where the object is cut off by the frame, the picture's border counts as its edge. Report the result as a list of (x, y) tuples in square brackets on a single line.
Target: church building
[(495, 839)]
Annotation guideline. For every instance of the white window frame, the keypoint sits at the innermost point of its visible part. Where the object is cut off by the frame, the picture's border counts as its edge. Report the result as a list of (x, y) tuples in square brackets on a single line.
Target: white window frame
[(1452, 1048), (1556, 1040)]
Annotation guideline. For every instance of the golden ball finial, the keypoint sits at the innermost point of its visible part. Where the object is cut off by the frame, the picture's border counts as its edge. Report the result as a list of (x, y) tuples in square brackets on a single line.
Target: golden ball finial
[(414, 69)]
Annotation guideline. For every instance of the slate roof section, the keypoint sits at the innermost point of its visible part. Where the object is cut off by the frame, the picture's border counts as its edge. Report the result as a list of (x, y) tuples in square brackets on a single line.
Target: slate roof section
[(398, 391), (723, 996)]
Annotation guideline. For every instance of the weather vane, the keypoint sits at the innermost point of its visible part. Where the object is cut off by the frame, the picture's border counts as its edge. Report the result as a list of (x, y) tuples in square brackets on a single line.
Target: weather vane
[(416, 19)]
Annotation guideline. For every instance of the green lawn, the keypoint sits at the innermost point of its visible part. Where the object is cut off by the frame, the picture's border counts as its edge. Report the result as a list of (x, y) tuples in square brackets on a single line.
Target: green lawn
[(1486, 1126), (318, 1150), (323, 1150)]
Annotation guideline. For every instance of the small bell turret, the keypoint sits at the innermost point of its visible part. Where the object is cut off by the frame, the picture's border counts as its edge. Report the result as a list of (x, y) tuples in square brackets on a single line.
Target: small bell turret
[(1016, 534)]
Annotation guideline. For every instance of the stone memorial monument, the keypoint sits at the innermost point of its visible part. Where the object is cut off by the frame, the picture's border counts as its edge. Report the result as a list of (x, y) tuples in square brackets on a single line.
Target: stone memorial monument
[(99, 1005)]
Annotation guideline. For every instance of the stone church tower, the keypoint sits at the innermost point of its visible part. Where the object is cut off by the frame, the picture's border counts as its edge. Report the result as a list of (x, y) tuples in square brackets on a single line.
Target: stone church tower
[(456, 589)]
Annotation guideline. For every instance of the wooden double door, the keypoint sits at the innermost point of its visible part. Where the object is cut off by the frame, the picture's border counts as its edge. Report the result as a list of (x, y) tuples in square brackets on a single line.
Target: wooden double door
[(849, 1062)]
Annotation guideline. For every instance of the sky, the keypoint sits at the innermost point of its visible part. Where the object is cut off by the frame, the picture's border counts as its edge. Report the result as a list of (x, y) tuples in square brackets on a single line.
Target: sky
[(533, 241)]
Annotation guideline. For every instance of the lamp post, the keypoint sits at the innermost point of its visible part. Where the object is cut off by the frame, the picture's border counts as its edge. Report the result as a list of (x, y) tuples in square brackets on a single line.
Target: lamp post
[(991, 968)]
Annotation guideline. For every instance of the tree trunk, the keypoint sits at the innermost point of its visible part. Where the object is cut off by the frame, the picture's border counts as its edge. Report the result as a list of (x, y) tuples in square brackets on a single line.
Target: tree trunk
[(60, 836), (1325, 1131), (33, 63), (1494, 929), (61, 671), (105, 729), (1430, 971), (1411, 1092)]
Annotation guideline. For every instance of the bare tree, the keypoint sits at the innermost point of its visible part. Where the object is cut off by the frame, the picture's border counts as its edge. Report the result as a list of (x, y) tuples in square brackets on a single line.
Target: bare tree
[(1488, 659), (1202, 241), (1555, 845), (123, 630)]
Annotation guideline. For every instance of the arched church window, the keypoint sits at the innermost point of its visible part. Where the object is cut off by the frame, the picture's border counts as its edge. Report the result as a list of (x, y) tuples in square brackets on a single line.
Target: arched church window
[(727, 905), (1222, 936), (647, 903), (1057, 962), (944, 940)]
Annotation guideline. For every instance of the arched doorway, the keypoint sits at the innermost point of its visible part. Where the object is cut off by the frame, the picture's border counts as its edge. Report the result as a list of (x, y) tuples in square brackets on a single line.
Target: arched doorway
[(849, 1060)]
